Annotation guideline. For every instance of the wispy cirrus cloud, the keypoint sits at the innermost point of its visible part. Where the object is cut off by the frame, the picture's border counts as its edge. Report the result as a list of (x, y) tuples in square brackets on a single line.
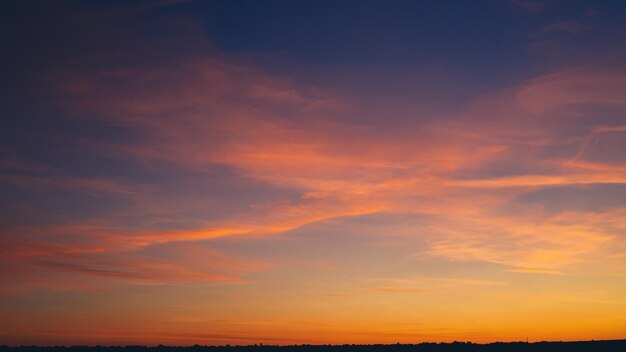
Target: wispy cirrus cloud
[(240, 117), (225, 151), (573, 88)]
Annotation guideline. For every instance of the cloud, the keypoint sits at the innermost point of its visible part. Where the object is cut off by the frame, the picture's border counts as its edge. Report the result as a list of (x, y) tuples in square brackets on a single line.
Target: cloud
[(573, 88), (341, 172), (535, 271), (105, 266), (393, 289), (571, 27), (603, 146), (207, 120), (595, 197)]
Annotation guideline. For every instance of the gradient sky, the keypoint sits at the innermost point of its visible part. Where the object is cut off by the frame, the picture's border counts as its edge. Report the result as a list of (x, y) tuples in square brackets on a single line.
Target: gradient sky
[(238, 172)]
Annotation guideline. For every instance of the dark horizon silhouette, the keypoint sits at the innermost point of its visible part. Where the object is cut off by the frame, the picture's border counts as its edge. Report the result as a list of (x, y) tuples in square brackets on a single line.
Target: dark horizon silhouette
[(519, 346)]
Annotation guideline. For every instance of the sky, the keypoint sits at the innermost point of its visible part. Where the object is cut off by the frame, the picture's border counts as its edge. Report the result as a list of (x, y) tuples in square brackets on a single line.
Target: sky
[(285, 172)]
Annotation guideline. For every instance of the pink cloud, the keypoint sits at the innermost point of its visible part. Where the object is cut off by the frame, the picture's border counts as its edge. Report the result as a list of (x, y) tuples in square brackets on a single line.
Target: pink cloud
[(571, 88), (178, 263), (287, 135)]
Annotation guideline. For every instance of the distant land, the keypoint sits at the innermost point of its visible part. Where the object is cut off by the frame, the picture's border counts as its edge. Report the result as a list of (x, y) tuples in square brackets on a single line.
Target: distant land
[(552, 346)]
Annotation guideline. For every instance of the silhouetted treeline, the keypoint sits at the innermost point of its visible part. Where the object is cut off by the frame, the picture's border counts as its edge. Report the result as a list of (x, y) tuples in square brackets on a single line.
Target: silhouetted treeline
[(591, 346)]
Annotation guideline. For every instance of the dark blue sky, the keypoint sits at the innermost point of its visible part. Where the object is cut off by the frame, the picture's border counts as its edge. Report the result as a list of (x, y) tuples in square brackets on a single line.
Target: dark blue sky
[(481, 36)]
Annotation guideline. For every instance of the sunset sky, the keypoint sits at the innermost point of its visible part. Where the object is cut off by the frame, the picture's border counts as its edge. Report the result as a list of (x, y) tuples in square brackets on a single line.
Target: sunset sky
[(279, 172)]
